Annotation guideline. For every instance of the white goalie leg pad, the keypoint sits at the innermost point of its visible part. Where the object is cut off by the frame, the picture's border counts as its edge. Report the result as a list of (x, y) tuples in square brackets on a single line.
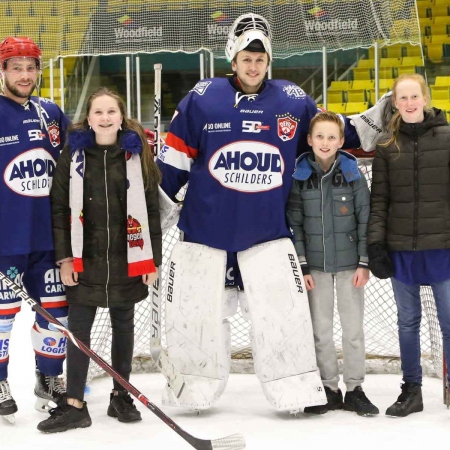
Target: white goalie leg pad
[(283, 342), (198, 337)]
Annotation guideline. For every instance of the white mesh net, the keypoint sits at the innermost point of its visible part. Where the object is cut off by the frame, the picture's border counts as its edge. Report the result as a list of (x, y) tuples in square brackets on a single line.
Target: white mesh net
[(380, 326), (92, 27)]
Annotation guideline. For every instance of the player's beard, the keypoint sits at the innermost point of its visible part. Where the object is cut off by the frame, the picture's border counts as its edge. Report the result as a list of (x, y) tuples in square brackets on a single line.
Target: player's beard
[(19, 93)]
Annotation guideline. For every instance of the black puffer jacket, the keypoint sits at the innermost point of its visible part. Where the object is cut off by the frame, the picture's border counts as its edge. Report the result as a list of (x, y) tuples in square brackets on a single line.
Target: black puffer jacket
[(410, 198), (104, 281)]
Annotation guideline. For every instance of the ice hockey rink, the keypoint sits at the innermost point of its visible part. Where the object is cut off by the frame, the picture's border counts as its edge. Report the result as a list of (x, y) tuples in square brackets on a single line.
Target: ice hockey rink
[(242, 409)]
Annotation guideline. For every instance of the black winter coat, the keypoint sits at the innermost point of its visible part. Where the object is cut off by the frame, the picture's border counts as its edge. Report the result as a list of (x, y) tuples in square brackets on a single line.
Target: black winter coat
[(410, 195), (104, 281)]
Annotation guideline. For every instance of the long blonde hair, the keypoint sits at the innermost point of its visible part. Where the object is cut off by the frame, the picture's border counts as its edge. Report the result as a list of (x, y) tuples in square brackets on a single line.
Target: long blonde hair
[(150, 171), (394, 124)]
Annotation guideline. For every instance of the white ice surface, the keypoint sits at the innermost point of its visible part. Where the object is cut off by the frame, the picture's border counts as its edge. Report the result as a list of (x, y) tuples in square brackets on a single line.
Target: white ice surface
[(242, 409)]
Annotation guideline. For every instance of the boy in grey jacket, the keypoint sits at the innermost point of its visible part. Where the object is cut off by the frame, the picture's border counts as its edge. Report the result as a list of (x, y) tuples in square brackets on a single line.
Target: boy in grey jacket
[(328, 210)]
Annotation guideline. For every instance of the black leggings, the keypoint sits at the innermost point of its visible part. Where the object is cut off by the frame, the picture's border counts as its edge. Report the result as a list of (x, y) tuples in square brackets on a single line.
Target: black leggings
[(81, 319)]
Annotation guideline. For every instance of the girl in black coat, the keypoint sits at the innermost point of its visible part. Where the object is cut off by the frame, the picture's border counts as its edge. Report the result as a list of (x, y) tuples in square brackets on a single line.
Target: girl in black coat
[(108, 243), (409, 224)]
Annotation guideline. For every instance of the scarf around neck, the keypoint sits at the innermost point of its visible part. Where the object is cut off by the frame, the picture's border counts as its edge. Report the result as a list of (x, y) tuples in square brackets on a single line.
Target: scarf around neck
[(139, 248)]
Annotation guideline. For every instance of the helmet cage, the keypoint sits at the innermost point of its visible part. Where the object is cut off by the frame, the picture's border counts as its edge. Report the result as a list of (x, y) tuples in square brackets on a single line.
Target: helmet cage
[(256, 27)]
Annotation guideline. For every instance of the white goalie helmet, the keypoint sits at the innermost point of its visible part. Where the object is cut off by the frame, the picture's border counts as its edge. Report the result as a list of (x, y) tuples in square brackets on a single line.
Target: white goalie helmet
[(246, 29)]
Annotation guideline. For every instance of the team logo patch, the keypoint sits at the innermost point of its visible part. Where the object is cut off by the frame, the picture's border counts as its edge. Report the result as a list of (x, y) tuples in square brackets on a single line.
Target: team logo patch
[(294, 91), (53, 133), (286, 128), (134, 233), (201, 87)]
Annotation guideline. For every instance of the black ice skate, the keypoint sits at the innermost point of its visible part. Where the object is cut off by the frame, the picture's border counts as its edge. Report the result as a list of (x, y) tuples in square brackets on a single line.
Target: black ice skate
[(334, 401), (65, 417), (49, 391), (122, 407), (409, 401), (358, 402), (7, 404)]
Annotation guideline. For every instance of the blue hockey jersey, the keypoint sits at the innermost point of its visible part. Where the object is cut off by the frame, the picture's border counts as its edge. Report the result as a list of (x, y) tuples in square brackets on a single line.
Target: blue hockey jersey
[(238, 153), (28, 157)]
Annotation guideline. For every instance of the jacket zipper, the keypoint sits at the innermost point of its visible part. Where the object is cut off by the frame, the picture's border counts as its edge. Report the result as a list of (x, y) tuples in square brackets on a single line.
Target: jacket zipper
[(416, 190), (107, 230), (323, 222)]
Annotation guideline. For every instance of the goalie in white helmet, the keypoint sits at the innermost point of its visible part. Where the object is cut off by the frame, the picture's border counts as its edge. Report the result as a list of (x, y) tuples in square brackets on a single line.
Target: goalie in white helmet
[(236, 140)]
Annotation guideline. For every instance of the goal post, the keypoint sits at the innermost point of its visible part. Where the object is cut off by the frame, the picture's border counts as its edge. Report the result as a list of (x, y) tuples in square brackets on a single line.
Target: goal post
[(380, 325)]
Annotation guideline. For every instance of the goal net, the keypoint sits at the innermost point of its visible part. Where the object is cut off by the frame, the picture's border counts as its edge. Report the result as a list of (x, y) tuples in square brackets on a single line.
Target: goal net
[(106, 27), (380, 326)]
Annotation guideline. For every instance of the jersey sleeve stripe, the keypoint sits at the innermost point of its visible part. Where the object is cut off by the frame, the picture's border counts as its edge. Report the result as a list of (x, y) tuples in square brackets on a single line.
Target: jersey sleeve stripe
[(178, 144)]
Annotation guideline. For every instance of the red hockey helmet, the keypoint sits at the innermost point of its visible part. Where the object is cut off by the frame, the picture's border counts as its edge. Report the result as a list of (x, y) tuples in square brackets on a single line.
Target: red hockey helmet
[(21, 46)]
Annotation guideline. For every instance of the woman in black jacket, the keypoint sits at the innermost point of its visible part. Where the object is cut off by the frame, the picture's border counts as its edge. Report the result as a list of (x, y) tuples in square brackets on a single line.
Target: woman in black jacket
[(108, 241), (409, 225)]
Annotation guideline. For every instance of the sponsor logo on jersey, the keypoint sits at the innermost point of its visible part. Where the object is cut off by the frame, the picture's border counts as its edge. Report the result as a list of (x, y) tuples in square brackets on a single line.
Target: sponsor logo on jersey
[(51, 342), (30, 173), (286, 128), (53, 133), (13, 274), (7, 140), (163, 151), (31, 121), (52, 280), (49, 345), (294, 91), (36, 135), (253, 126), (217, 127), (248, 166), (201, 87), (252, 111)]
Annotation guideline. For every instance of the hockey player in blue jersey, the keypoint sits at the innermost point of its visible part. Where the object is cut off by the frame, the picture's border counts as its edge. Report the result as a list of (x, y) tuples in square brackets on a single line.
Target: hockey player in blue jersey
[(235, 141), (31, 137)]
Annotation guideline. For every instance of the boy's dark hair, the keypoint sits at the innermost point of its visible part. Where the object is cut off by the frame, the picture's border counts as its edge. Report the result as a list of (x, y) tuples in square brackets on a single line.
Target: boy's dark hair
[(327, 116)]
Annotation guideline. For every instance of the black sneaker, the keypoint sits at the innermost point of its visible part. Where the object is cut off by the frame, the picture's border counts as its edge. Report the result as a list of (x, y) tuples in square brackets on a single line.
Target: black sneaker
[(49, 391), (122, 407), (65, 417), (334, 401), (409, 401), (357, 401)]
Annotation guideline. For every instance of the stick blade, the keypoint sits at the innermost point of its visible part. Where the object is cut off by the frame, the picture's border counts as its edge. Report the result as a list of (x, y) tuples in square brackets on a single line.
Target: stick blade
[(11, 418), (233, 442)]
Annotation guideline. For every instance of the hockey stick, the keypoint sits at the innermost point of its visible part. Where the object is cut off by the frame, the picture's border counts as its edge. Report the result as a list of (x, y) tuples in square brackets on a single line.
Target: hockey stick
[(445, 381), (157, 108), (236, 441)]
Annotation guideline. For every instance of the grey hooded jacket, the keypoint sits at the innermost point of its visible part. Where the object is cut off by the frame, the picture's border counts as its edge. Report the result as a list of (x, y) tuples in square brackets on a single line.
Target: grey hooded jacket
[(328, 213)]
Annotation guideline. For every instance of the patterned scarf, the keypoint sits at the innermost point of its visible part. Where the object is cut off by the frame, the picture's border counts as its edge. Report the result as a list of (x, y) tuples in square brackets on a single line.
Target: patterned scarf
[(139, 248)]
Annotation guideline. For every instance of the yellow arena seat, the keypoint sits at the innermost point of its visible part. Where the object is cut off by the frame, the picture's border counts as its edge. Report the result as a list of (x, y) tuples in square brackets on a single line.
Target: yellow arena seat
[(356, 107), (442, 81), (336, 107)]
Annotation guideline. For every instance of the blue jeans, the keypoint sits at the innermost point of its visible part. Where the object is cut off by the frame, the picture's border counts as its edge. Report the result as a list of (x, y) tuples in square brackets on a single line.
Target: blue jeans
[(409, 311)]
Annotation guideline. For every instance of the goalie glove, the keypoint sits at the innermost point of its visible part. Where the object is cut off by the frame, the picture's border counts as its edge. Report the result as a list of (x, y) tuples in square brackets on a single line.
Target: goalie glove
[(371, 124)]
